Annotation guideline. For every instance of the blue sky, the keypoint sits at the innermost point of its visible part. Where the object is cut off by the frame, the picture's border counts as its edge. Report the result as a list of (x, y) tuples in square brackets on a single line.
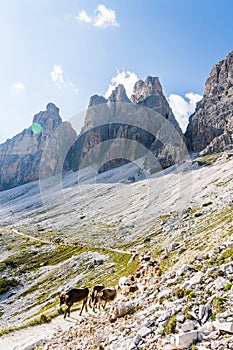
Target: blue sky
[(64, 51)]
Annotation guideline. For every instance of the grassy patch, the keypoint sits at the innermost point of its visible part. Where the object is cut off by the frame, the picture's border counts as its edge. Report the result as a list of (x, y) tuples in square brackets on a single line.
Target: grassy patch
[(208, 159), (27, 260), (224, 258), (6, 284)]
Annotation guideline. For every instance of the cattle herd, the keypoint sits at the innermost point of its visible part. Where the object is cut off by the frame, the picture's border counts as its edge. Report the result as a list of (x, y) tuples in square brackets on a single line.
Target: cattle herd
[(100, 294)]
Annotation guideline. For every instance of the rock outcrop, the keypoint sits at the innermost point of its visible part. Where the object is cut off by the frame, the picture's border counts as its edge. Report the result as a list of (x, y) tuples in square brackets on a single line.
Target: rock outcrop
[(118, 130), (210, 128), (37, 151)]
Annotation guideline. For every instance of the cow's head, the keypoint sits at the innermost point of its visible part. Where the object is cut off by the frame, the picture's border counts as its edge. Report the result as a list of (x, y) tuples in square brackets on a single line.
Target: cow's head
[(62, 298)]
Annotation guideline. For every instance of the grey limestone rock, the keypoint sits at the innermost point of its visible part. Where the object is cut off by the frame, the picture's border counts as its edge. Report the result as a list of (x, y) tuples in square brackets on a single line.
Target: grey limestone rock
[(210, 128), (37, 151), (111, 124)]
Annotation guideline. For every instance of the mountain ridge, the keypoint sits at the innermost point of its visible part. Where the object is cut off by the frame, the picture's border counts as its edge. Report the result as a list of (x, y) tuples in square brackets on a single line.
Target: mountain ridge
[(114, 134)]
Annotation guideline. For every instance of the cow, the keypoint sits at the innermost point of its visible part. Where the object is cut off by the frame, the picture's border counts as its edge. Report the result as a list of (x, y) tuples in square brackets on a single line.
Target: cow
[(96, 289), (72, 296), (105, 295)]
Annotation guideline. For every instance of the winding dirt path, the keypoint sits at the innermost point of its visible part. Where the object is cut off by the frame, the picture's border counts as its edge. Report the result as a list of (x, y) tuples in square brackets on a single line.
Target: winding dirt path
[(29, 337)]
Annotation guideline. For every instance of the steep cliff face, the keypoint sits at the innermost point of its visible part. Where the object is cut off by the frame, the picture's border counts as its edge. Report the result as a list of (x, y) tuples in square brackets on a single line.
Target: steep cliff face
[(149, 94), (210, 128), (20, 157), (119, 129)]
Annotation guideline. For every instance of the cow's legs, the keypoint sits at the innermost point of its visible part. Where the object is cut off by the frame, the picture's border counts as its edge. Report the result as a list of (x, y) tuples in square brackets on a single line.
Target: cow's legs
[(84, 303), (67, 311)]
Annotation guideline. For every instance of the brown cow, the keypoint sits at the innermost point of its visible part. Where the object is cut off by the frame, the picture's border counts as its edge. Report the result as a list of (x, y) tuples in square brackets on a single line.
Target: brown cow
[(96, 289), (72, 296), (105, 295)]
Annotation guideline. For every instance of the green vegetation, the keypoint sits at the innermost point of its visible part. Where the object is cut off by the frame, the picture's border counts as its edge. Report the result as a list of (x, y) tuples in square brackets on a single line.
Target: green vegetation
[(228, 286), (30, 256), (224, 258), (223, 183), (208, 159), (27, 261), (213, 317), (6, 284), (193, 347), (170, 326), (180, 293), (218, 303)]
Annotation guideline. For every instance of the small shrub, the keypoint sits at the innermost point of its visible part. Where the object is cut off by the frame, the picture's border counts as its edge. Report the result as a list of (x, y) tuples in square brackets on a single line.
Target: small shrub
[(43, 318), (218, 273), (213, 317), (218, 303), (192, 295), (188, 316), (161, 300), (180, 293), (170, 326), (228, 286)]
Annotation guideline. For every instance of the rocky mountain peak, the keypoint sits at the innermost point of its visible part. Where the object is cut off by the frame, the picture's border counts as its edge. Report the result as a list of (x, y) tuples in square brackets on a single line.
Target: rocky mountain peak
[(20, 157), (221, 78), (144, 89), (96, 100), (210, 128), (149, 93), (112, 121), (119, 95), (48, 119)]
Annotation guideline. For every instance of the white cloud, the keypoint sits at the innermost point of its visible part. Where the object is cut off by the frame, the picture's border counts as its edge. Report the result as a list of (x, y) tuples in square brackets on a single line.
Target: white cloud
[(83, 17), (58, 79), (57, 76), (183, 108), (127, 78), (104, 17), (19, 85)]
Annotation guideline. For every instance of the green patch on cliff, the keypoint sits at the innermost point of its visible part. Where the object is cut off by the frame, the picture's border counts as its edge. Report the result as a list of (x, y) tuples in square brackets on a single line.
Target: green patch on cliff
[(208, 159)]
